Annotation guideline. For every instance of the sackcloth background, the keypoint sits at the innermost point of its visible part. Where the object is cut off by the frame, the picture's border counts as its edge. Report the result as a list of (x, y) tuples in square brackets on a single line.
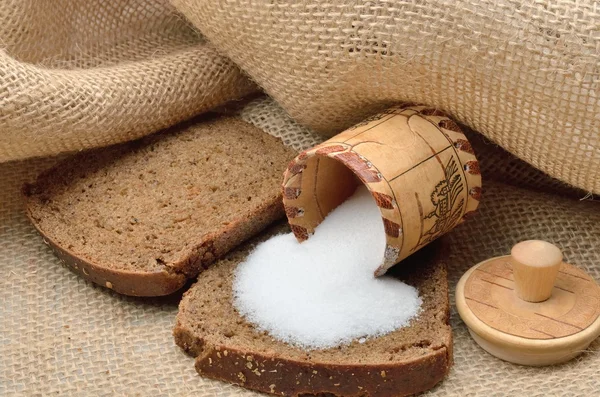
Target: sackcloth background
[(77, 74)]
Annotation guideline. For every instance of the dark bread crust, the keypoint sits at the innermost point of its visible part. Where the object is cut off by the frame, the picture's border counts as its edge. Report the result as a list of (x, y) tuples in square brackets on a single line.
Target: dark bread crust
[(295, 378), (121, 281), (251, 359), (169, 276), (170, 279)]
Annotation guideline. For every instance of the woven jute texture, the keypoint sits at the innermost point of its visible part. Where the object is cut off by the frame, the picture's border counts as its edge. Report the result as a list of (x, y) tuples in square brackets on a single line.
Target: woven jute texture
[(60, 335), (525, 74), (76, 74)]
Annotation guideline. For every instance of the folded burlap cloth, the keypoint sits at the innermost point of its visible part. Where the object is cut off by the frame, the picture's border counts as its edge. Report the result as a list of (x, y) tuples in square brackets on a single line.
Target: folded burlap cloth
[(76, 74)]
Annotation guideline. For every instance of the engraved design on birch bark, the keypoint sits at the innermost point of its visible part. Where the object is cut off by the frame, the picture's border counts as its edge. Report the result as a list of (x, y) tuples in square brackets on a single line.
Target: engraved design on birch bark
[(302, 156), (391, 228), (300, 232), (444, 198), (291, 193), (574, 305), (330, 149), (293, 212), (464, 145), (449, 125), (475, 192), (383, 200), (360, 167), (296, 167), (472, 167)]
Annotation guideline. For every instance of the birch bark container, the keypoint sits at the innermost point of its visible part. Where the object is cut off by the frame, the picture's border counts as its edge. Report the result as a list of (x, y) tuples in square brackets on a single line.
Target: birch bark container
[(415, 161)]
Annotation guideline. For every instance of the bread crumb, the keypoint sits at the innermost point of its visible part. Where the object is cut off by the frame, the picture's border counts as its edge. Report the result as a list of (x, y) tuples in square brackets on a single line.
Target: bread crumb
[(272, 388), (241, 377), (249, 364), (109, 285), (383, 374), (225, 353)]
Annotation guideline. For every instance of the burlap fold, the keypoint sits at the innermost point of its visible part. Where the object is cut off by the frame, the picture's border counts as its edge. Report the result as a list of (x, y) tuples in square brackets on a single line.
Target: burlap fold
[(525, 74), (76, 74)]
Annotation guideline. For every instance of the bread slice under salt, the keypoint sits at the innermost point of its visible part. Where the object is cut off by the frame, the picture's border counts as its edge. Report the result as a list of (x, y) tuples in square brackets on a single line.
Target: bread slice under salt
[(143, 217), (404, 362)]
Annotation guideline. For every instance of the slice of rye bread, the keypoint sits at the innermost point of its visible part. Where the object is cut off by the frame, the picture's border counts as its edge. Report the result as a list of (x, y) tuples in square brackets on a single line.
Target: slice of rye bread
[(143, 217), (404, 362)]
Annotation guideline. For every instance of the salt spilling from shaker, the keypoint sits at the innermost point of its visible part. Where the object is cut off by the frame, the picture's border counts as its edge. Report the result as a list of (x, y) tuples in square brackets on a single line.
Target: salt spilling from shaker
[(322, 293)]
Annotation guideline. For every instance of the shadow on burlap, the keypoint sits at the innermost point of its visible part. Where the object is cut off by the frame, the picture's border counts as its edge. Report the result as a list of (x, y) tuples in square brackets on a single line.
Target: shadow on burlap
[(62, 335)]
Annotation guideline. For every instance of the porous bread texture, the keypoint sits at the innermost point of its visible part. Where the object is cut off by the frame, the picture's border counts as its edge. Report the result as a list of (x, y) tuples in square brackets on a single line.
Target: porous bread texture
[(403, 362), (143, 217)]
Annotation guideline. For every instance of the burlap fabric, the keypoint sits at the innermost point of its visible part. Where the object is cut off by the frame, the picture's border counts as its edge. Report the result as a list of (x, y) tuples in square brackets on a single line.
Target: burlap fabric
[(60, 335), (76, 74), (525, 74)]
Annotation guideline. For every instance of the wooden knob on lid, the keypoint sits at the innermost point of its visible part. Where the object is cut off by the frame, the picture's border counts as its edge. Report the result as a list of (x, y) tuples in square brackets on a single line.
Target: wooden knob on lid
[(535, 266)]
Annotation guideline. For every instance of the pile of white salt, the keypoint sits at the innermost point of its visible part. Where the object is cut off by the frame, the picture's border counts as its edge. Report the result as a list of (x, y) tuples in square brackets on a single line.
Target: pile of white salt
[(322, 292)]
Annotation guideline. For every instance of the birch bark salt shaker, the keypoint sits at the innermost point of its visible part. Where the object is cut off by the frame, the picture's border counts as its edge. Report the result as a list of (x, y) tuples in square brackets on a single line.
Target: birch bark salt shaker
[(416, 162)]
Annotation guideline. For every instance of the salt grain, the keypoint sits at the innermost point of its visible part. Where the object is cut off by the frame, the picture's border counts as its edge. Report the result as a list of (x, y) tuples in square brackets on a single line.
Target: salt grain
[(322, 293)]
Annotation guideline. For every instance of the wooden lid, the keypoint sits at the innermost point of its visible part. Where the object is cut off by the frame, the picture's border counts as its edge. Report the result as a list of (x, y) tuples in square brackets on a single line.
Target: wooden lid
[(529, 332)]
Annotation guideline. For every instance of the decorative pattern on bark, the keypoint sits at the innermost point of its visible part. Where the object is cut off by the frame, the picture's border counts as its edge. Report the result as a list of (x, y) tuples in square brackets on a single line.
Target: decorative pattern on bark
[(383, 200), (293, 212), (449, 125), (475, 192), (300, 232), (464, 145), (330, 149), (391, 228), (296, 168), (302, 156), (291, 193), (360, 166), (472, 167), (444, 197)]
